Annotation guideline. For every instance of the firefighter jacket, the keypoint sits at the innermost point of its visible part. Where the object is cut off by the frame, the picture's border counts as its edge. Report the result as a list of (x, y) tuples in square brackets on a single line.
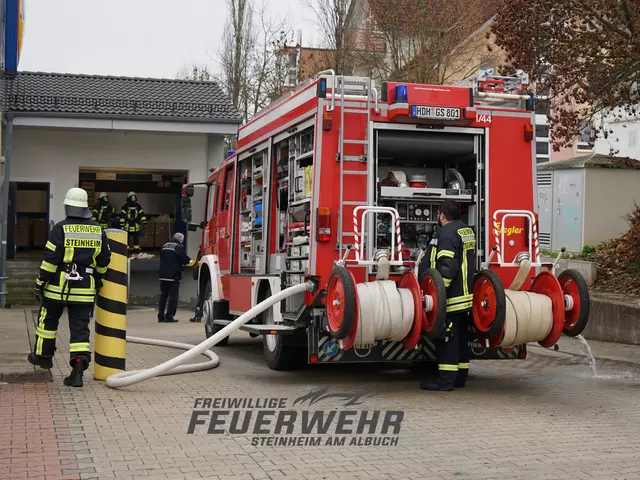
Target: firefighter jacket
[(452, 253), (102, 213), (75, 244), (132, 217), (172, 260)]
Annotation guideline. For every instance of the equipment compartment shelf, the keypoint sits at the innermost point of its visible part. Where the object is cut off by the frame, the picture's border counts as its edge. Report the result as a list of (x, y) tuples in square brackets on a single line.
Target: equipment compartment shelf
[(427, 193)]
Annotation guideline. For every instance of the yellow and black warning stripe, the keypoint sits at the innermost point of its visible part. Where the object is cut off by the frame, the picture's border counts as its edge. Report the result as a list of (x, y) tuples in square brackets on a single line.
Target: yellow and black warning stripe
[(111, 311)]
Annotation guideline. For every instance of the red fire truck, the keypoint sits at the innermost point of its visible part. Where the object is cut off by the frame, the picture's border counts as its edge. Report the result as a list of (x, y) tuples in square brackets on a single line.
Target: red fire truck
[(340, 183)]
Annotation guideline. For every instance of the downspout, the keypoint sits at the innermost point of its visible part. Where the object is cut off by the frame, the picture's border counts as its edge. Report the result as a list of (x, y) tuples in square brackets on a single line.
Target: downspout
[(4, 211)]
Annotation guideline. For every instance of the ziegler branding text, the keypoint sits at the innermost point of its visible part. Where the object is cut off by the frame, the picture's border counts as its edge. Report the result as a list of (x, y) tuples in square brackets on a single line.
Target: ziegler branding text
[(277, 422)]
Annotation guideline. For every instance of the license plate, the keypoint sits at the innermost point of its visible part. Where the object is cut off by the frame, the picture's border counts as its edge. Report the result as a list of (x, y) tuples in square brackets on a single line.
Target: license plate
[(437, 113)]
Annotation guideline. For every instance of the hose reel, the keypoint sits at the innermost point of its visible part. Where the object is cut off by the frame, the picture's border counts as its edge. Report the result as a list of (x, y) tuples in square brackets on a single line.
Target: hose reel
[(513, 317), (360, 315)]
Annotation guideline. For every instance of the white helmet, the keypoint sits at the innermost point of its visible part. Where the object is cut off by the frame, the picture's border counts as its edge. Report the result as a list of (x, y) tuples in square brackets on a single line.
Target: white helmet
[(76, 204), (102, 194), (131, 194)]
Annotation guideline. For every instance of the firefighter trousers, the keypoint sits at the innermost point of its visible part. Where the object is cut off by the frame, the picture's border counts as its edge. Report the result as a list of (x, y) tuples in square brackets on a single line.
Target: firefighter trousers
[(134, 241), (47, 329), (452, 352)]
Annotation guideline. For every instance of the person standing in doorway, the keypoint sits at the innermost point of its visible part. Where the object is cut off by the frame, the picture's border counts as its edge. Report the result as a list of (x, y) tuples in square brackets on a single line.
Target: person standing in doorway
[(103, 211), (132, 220), (452, 253), (173, 258)]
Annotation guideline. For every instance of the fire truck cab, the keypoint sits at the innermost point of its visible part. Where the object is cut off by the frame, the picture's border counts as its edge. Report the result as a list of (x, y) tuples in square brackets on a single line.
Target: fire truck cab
[(339, 182)]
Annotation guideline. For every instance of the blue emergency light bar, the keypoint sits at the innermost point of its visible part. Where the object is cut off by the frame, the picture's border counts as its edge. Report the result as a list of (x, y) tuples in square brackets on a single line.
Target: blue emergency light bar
[(400, 94)]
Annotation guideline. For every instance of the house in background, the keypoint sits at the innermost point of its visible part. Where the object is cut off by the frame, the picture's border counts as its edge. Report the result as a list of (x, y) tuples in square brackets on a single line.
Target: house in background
[(114, 135), (476, 51), (623, 135), (298, 63)]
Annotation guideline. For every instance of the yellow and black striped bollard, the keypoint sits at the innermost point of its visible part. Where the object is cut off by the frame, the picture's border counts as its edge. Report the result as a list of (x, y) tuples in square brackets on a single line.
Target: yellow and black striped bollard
[(111, 310)]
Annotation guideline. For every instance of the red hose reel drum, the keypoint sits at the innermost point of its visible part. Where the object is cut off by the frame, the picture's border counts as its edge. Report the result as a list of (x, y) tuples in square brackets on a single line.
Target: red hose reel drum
[(434, 304), (342, 306)]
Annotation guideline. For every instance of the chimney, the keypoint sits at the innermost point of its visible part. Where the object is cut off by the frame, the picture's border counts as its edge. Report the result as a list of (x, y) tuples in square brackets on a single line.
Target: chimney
[(299, 38)]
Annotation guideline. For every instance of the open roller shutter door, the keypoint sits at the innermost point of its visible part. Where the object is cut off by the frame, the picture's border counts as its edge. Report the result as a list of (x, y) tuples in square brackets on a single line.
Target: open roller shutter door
[(425, 146)]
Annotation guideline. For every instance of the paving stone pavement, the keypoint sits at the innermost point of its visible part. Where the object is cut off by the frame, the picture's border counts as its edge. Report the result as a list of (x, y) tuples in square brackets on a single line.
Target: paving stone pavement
[(541, 418)]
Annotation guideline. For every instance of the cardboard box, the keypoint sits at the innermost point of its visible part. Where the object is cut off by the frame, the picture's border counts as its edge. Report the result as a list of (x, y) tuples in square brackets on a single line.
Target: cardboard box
[(40, 234), (147, 236), (161, 237)]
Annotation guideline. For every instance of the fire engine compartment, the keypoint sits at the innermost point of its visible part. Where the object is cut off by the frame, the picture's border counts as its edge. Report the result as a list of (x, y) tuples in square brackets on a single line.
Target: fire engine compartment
[(415, 172)]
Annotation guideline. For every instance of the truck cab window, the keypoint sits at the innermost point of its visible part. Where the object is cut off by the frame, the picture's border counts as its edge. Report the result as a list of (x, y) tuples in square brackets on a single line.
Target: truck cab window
[(211, 206), (228, 184)]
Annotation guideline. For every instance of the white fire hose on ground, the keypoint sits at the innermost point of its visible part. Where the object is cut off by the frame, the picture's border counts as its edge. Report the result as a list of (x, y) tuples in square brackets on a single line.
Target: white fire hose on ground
[(175, 365)]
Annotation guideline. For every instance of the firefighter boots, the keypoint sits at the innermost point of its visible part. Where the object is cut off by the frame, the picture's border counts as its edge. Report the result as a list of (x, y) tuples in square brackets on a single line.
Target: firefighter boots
[(79, 365), (42, 362)]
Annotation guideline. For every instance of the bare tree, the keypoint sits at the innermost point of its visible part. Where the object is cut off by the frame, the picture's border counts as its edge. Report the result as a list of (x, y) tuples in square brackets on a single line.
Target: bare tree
[(331, 17), (196, 72), (238, 42), (434, 44), (266, 73)]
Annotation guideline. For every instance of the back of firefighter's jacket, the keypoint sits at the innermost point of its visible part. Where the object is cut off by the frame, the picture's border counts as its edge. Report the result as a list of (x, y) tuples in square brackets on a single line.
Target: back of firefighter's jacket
[(132, 217), (452, 253), (75, 244)]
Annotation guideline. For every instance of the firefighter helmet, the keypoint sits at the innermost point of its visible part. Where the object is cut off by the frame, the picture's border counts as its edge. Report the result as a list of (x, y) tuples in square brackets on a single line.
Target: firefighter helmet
[(76, 204), (103, 195), (132, 196)]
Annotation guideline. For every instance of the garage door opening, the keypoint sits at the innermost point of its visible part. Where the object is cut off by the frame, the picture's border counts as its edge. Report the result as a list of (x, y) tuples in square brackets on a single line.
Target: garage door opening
[(30, 205), (158, 193)]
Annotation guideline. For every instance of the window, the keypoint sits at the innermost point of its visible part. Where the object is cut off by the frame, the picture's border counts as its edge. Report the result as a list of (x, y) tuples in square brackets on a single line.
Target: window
[(542, 148), (542, 131), (228, 184), (584, 141), (211, 206)]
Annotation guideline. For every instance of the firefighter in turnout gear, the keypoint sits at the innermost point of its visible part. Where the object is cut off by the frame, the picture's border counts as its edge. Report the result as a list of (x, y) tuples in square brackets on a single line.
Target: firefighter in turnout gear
[(103, 211), (452, 253), (132, 220), (75, 259), (173, 259)]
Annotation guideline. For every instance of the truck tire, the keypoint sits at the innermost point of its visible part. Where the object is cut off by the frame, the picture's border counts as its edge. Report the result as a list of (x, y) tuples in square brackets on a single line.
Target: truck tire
[(280, 352), (210, 328), (574, 285)]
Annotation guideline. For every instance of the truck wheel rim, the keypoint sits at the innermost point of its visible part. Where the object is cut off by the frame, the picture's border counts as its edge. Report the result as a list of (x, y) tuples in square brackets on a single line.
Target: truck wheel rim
[(207, 313), (272, 340), (570, 288), (484, 304)]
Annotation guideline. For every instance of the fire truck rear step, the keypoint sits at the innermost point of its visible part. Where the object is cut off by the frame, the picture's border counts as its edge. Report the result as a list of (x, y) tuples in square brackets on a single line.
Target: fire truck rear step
[(260, 329)]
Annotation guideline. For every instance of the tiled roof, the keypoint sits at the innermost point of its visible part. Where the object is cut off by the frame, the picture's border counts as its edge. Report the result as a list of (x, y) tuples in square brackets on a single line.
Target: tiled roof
[(104, 96)]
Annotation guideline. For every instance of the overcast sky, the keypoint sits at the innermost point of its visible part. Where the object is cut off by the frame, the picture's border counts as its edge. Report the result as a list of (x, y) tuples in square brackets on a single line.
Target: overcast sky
[(142, 38)]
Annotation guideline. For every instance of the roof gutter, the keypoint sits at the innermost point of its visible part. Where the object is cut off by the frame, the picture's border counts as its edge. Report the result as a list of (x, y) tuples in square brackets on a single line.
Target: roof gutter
[(106, 116)]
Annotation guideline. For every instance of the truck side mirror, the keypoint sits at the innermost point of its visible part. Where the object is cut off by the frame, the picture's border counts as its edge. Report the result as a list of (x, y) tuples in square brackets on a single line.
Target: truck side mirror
[(185, 204), (188, 191)]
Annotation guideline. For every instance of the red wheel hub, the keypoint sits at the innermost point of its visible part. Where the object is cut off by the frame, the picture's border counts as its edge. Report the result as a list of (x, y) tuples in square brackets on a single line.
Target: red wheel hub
[(547, 284), (409, 281), (570, 288), (484, 304), (335, 303), (428, 288)]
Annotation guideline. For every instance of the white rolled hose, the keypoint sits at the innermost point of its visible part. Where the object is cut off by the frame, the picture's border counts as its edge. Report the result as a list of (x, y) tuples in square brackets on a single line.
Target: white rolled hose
[(529, 318), (385, 312), (175, 365)]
